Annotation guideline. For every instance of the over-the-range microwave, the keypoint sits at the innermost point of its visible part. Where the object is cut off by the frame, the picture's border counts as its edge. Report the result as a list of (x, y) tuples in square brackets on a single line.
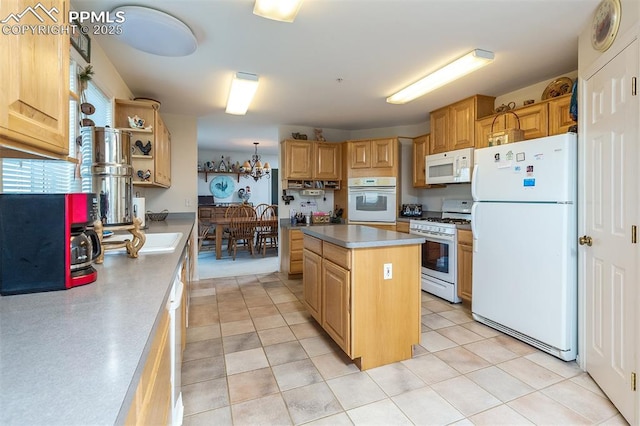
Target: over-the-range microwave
[(450, 167)]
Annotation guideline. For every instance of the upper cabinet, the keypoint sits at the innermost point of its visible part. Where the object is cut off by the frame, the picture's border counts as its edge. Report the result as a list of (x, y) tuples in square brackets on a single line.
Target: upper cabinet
[(454, 126), (420, 151), (34, 88), (155, 140), (311, 164), (373, 157), (546, 118)]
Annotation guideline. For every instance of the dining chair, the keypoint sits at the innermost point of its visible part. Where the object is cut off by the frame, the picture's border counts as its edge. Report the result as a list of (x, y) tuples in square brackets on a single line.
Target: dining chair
[(242, 229), (204, 235), (267, 231), (260, 208)]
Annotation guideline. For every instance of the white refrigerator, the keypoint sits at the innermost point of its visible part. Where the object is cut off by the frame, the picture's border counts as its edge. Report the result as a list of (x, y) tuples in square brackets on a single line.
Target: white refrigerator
[(524, 223)]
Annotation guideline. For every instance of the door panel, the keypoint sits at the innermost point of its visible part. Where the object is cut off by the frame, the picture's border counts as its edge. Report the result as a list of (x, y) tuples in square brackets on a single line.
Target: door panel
[(610, 208)]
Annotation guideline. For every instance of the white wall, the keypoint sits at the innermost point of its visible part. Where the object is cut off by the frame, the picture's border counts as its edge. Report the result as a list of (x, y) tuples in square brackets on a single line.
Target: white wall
[(182, 195), (260, 190)]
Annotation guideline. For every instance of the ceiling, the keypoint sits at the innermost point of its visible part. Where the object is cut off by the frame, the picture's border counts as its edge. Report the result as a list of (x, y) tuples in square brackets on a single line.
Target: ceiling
[(335, 65)]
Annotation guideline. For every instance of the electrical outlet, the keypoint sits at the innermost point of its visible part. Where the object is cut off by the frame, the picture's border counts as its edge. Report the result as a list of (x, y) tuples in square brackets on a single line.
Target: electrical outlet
[(187, 202), (388, 271)]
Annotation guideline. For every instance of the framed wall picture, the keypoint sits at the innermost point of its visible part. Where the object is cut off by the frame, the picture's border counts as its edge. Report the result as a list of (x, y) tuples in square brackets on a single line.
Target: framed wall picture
[(81, 42)]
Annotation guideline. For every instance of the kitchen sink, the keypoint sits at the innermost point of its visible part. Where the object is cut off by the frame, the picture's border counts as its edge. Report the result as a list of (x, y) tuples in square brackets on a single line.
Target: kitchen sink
[(163, 242)]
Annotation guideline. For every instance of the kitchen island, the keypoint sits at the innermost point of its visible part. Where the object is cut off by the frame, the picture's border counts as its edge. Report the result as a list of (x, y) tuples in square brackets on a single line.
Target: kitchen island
[(362, 285), (75, 357)]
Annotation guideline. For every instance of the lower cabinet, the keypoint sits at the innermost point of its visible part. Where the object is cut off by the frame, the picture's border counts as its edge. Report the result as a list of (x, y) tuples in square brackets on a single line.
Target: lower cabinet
[(326, 284), (465, 264), (335, 309), (152, 400), (374, 320), (312, 283), (402, 227), (291, 255)]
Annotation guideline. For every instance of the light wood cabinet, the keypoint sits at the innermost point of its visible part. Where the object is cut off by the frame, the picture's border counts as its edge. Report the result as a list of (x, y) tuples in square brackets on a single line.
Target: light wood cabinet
[(533, 120), (311, 164), (327, 164), (559, 117), (291, 254), (336, 282), (454, 126), (420, 152), (326, 283), (312, 284), (546, 118), (158, 161), (375, 157), (152, 400), (34, 88), (402, 227), (465, 264), (375, 321)]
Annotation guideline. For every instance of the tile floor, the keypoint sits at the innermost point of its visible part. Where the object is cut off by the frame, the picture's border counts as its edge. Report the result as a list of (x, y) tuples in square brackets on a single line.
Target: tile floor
[(255, 356)]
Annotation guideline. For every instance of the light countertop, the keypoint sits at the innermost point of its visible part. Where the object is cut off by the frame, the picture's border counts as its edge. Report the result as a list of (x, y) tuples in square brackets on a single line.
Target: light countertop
[(360, 236), (74, 357)]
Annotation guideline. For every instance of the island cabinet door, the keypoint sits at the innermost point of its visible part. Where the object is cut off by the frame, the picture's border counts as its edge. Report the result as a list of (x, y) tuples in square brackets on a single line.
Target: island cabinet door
[(311, 283), (335, 308)]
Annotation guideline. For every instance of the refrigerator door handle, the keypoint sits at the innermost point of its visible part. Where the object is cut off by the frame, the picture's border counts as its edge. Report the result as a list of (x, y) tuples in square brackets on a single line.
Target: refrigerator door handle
[(474, 183), (474, 232)]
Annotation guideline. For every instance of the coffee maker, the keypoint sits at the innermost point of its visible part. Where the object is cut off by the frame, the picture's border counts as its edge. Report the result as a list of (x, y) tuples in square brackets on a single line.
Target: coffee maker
[(47, 241)]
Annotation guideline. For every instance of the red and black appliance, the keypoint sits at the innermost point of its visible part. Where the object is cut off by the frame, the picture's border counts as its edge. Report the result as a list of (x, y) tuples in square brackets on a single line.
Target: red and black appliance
[(47, 242)]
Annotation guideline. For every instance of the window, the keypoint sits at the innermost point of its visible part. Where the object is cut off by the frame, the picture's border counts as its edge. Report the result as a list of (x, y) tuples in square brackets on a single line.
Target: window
[(51, 176)]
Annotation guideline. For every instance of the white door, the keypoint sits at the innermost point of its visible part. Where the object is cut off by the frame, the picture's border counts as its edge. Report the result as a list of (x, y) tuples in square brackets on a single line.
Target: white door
[(610, 209)]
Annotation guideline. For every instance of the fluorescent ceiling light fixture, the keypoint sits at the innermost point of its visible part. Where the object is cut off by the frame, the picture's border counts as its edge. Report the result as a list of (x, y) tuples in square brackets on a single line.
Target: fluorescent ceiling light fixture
[(155, 32), (278, 10), (454, 70), (243, 87)]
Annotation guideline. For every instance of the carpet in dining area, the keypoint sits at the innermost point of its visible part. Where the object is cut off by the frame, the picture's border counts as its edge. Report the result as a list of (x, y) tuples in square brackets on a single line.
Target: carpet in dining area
[(245, 264)]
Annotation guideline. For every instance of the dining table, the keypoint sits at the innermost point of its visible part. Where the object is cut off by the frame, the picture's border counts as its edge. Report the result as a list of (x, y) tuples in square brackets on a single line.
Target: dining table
[(219, 224)]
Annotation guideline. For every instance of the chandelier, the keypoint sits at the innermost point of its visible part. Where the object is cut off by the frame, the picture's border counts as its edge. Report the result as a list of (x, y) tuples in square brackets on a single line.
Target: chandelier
[(254, 169)]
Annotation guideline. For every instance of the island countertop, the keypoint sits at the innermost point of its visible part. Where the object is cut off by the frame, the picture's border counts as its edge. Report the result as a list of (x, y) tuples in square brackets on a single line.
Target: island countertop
[(74, 357), (361, 236)]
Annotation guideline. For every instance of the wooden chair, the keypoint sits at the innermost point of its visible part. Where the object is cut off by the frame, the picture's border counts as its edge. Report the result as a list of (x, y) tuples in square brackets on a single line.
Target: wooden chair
[(260, 208), (242, 230), (267, 231), (204, 235)]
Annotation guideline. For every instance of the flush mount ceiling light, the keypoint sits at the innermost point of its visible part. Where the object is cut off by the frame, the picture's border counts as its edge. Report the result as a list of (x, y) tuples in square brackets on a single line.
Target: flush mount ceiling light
[(243, 87), (454, 70), (155, 32), (278, 10)]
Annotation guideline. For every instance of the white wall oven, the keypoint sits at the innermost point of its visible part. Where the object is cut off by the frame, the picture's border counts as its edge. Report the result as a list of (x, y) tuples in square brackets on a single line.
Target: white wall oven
[(440, 250), (372, 200)]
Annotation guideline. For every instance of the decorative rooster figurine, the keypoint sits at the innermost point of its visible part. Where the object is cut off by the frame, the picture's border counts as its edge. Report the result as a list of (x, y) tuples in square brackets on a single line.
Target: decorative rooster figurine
[(144, 175), (146, 149)]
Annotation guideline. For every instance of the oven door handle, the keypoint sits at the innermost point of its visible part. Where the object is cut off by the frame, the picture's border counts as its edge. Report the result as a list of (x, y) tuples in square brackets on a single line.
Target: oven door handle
[(362, 189)]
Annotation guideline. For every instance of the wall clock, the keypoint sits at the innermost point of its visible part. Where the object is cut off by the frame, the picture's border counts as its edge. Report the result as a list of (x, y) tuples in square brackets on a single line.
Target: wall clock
[(606, 22), (222, 186)]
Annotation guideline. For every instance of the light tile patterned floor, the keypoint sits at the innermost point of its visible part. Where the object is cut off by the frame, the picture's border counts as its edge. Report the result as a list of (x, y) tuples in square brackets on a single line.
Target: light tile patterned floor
[(255, 356)]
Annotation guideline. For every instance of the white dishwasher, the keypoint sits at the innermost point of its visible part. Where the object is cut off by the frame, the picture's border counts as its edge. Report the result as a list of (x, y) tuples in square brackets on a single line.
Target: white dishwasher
[(175, 334)]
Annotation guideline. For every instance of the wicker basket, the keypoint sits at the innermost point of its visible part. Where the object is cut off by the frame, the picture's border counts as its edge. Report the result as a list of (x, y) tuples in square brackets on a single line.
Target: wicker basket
[(502, 137), (157, 217)]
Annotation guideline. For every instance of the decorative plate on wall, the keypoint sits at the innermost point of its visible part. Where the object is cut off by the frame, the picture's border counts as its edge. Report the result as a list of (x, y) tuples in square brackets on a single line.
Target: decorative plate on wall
[(557, 87), (606, 22), (222, 186)]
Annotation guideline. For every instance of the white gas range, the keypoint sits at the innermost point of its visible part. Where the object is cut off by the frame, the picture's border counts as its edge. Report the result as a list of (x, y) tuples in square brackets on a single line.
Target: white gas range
[(439, 251)]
